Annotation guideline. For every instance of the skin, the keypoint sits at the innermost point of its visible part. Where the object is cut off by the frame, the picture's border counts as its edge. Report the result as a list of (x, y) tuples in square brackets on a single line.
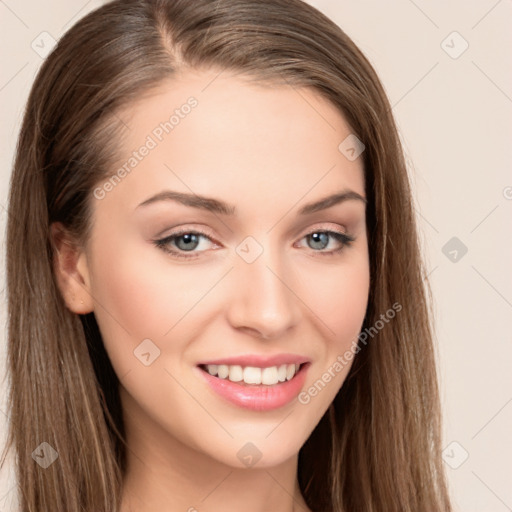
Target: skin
[(268, 151)]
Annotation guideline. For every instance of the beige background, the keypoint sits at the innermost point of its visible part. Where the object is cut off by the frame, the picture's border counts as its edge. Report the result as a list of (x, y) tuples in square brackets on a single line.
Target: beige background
[(454, 116)]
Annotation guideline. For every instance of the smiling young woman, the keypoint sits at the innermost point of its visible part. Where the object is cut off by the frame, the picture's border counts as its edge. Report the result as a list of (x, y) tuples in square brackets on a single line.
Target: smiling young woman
[(215, 290)]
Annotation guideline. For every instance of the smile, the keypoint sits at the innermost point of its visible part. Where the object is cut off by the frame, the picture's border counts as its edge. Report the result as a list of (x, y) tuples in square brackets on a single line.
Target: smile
[(253, 375), (257, 389)]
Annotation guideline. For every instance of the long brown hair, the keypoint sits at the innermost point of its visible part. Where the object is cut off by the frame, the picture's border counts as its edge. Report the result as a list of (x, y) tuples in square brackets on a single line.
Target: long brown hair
[(377, 448)]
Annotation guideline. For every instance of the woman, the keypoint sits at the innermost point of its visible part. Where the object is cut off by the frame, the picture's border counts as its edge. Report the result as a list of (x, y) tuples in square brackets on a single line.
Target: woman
[(216, 296)]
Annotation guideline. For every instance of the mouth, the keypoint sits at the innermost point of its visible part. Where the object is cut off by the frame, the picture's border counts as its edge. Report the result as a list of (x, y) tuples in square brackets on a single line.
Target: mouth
[(255, 388), (252, 375)]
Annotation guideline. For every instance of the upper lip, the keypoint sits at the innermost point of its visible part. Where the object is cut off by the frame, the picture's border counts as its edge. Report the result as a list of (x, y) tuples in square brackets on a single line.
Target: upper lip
[(259, 361)]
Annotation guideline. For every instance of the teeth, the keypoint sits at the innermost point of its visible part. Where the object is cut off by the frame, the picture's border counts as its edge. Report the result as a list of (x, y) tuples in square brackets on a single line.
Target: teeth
[(253, 375), (236, 373), (223, 371), (269, 376)]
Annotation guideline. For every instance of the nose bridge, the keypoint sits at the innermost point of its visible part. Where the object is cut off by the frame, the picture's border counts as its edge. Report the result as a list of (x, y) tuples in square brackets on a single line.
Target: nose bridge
[(261, 298)]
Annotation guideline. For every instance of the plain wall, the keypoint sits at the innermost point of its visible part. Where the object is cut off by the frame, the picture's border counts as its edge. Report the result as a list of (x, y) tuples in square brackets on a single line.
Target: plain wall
[(453, 107)]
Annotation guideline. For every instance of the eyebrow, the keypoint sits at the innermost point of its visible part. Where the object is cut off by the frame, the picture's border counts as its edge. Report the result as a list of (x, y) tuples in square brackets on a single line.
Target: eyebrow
[(216, 206)]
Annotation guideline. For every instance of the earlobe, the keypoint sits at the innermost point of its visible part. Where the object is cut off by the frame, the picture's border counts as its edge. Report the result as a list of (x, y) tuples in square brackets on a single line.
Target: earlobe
[(71, 271)]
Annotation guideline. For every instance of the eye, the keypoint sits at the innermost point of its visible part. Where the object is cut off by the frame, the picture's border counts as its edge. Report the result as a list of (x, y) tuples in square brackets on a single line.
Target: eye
[(183, 242), (187, 241), (320, 239)]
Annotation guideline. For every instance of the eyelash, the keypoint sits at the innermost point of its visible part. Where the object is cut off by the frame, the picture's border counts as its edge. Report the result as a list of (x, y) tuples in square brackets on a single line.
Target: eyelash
[(163, 243)]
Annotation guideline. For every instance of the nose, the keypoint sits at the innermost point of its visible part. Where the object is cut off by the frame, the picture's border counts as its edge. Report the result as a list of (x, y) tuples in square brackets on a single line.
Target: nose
[(262, 300)]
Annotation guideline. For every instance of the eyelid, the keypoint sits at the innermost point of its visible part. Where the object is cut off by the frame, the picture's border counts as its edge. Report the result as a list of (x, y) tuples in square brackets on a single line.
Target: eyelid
[(187, 228), (324, 226), (163, 242), (190, 228)]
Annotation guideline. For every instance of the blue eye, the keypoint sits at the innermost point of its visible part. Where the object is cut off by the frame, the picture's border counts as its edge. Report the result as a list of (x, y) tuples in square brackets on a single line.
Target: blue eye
[(320, 240), (190, 241), (182, 242)]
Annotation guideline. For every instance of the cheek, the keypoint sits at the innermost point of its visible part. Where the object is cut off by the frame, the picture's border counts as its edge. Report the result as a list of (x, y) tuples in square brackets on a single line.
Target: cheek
[(339, 302), (134, 297), (339, 299), (142, 296), (129, 298)]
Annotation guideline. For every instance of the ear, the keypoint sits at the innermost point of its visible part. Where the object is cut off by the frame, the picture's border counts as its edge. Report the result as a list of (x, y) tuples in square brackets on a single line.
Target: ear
[(71, 271)]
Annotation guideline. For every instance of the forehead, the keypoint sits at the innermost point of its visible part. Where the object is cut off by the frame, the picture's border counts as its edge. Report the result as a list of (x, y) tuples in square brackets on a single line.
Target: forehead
[(221, 135)]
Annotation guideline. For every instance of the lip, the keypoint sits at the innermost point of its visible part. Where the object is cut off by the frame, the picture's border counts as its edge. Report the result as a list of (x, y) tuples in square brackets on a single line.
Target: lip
[(259, 361), (257, 397)]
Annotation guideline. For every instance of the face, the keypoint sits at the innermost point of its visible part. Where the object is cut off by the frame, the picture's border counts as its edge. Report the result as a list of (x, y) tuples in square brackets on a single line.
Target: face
[(207, 249)]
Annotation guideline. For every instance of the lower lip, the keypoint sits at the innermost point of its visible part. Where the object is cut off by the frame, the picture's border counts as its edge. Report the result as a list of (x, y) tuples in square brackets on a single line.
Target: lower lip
[(258, 397)]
